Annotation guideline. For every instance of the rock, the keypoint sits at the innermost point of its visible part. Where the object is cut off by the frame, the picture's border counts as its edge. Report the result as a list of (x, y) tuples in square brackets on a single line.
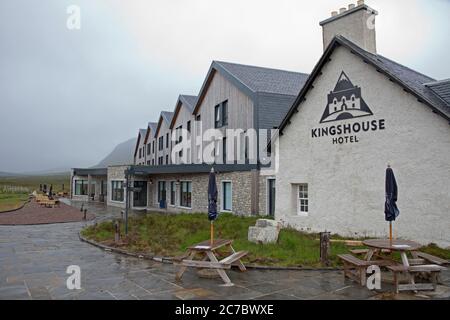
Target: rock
[(265, 231), (262, 223)]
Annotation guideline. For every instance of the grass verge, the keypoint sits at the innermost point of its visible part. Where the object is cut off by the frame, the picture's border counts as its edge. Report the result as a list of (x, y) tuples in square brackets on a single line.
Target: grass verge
[(170, 235), (11, 201)]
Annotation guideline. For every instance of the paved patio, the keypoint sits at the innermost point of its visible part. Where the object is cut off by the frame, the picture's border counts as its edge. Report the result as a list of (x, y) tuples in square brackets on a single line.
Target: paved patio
[(33, 261)]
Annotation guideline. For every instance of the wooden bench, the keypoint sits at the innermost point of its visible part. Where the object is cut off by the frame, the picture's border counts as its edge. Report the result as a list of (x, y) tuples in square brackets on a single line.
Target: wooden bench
[(355, 268), (49, 203), (365, 251), (411, 271), (431, 258)]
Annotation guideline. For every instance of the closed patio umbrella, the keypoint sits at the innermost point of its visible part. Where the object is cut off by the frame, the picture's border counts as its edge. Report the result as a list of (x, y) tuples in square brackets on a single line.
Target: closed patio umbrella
[(391, 211), (212, 201)]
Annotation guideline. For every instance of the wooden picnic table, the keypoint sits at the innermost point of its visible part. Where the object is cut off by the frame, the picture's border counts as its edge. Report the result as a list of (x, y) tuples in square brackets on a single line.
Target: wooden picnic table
[(401, 246), (207, 253)]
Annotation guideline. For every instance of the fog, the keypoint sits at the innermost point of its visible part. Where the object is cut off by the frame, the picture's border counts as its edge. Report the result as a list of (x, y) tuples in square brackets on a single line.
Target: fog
[(68, 97)]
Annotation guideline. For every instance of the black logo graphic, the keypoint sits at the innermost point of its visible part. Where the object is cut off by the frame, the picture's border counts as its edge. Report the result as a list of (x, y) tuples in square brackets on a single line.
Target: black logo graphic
[(345, 102)]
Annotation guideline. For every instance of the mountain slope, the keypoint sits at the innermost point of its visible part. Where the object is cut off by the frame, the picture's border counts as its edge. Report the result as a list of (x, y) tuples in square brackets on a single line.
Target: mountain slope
[(9, 174), (122, 154)]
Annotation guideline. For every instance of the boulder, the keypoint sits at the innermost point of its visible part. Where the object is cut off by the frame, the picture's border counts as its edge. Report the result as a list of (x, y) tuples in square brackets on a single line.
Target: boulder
[(265, 231)]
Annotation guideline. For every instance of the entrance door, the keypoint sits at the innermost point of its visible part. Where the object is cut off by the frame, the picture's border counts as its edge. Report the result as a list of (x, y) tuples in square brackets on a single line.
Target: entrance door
[(271, 197), (140, 197)]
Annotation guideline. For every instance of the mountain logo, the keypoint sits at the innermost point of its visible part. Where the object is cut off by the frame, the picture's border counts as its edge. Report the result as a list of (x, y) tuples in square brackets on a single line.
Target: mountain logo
[(345, 102)]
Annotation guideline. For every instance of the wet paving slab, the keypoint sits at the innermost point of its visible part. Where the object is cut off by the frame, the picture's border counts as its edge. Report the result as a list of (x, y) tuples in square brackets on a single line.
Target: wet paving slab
[(34, 260)]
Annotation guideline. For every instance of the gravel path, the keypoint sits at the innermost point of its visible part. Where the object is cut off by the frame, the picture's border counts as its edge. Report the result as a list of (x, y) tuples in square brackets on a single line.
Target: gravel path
[(33, 213)]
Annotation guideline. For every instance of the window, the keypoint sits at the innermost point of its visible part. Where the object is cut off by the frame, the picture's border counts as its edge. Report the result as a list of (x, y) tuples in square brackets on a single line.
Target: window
[(188, 126), (217, 116), (153, 146), (167, 140), (153, 162), (302, 206), (221, 114), (185, 194), (224, 149), (160, 160), (226, 196), (148, 162), (198, 124), (117, 192), (140, 152), (179, 139), (160, 143), (172, 193), (167, 159), (81, 187), (224, 113), (148, 148), (161, 191)]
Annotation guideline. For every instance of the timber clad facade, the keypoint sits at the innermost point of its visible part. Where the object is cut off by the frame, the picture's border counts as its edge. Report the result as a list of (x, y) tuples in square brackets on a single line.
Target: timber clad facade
[(339, 128), (233, 96)]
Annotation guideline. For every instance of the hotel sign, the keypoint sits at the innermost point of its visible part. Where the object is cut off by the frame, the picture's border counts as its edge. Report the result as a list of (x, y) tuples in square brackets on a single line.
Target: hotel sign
[(345, 102)]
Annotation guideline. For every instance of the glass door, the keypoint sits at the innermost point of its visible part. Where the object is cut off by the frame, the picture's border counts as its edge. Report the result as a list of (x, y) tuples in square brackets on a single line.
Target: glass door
[(140, 197)]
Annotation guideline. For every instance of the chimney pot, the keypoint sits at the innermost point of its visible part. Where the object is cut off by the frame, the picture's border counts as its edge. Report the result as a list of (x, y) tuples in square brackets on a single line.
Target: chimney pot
[(352, 23)]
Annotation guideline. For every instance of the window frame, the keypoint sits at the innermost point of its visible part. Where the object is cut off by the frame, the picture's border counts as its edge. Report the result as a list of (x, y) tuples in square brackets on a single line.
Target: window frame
[(114, 191), (184, 205), (302, 199), (173, 193), (222, 196), (83, 188)]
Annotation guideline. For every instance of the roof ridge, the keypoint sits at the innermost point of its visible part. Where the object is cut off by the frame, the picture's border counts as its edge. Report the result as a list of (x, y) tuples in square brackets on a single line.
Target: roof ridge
[(253, 66), (232, 74)]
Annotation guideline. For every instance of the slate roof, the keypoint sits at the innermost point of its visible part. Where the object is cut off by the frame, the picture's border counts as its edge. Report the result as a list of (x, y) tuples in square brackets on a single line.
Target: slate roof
[(167, 116), (260, 79), (412, 81), (441, 89), (142, 133), (153, 126), (189, 101), (272, 91)]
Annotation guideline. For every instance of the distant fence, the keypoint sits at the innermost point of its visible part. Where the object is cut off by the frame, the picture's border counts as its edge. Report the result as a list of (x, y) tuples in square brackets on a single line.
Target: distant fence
[(14, 189)]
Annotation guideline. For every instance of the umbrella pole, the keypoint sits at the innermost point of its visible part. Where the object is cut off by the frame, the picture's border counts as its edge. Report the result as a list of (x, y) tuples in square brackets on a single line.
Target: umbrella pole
[(212, 233), (390, 231)]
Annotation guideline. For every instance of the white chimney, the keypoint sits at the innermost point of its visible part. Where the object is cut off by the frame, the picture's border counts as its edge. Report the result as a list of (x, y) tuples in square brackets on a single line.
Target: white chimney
[(357, 24)]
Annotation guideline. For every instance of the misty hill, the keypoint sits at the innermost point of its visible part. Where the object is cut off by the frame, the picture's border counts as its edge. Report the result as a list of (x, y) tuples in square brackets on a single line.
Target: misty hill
[(122, 154), (8, 174)]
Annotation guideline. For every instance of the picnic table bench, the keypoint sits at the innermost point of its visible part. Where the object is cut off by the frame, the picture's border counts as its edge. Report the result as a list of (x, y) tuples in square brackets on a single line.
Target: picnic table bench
[(208, 254), (411, 271), (355, 268)]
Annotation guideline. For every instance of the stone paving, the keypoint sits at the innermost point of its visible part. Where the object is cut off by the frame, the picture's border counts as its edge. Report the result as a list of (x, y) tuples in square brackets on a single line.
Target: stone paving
[(33, 262)]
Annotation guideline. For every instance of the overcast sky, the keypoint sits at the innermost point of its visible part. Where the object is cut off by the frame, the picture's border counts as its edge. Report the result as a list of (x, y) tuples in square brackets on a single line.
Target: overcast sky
[(68, 97)]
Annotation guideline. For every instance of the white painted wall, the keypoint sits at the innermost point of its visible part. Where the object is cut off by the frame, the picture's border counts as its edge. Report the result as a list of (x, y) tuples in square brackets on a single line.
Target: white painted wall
[(346, 182)]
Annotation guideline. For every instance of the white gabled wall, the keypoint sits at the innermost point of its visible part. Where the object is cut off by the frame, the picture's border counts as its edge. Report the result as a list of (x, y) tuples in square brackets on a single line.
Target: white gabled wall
[(346, 182)]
